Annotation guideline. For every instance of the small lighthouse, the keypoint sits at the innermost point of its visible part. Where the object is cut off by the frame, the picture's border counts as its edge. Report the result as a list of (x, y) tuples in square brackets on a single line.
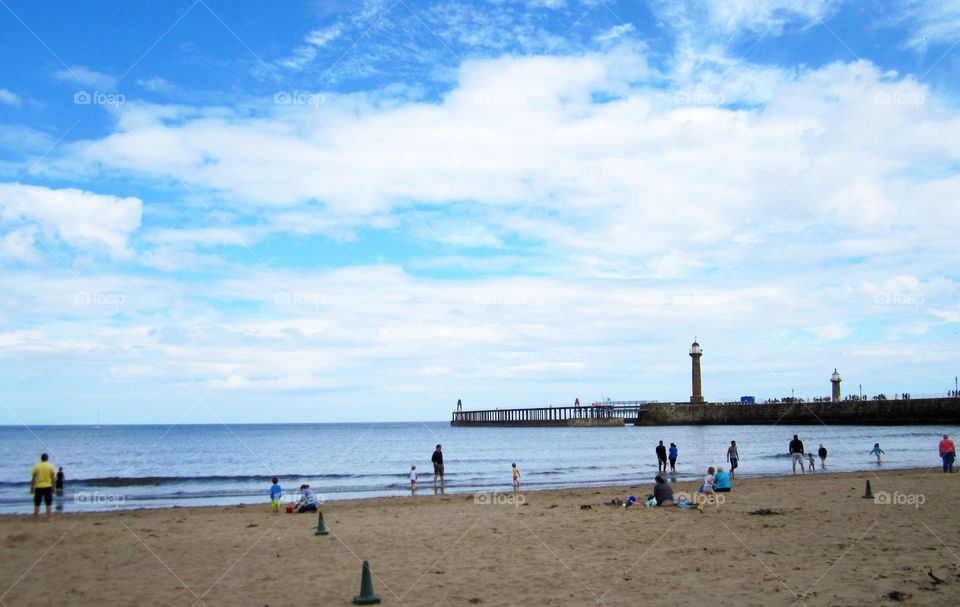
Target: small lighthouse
[(695, 354), (835, 392)]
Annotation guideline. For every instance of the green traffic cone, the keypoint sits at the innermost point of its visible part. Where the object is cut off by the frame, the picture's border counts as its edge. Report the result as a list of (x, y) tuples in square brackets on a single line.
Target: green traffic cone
[(868, 494), (321, 528), (366, 596)]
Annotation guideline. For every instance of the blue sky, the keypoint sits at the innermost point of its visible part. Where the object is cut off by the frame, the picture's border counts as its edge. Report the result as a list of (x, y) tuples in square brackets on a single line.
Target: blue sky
[(325, 211)]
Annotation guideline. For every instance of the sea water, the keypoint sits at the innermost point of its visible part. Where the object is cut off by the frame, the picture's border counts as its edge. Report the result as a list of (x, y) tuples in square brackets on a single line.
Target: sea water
[(198, 465)]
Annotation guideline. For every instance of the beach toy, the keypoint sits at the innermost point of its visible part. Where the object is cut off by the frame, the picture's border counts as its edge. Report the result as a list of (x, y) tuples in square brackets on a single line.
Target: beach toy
[(366, 596), (321, 528), (868, 494), (289, 509)]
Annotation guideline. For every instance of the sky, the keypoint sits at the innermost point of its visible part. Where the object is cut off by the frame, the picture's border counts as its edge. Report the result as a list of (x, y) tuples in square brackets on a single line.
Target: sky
[(226, 212)]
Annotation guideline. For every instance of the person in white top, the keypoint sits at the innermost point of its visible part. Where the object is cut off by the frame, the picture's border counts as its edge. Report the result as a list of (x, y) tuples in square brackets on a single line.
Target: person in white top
[(707, 490), (413, 480)]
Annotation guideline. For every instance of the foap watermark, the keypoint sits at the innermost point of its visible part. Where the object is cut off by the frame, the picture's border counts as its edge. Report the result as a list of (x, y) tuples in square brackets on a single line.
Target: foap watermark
[(99, 500), (98, 98), (899, 98), (694, 499), (499, 499), (500, 98), (899, 299), (502, 301), (298, 98), (298, 298), (698, 98), (88, 298), (899, 499)]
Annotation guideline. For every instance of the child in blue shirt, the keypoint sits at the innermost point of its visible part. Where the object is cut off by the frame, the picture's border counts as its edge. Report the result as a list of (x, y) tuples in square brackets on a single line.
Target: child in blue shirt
[(275, 493)]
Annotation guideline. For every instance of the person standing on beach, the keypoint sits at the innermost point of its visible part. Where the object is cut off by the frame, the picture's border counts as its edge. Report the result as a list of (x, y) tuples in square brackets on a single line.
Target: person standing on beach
[(733, 456), (822, 452), (661, 458), (796, 454), (59, 483), (41, 485), (413, 480), (878, 452), (673, 458), (437, 460), (948, 452), (276, 492), (516, 478), (812, 466)]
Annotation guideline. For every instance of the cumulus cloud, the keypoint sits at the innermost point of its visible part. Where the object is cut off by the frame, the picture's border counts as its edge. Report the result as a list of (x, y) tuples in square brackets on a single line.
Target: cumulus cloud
[(18, 245), (525, 141), (80, 219)]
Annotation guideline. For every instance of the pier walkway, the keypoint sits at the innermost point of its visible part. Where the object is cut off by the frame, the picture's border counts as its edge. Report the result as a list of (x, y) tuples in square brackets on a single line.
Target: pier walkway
[(609, 413)]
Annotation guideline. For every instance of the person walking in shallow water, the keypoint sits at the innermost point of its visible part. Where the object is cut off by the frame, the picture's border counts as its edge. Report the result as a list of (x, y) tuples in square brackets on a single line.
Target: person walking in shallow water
[(878, 452), (796, 453), (661, 458), (733, 456), (822, 452), (41, 485), (437, 459), (673, 458)]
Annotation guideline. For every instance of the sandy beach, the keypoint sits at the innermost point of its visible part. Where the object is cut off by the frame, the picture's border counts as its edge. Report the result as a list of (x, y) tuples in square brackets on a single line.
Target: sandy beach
[(823, 544)]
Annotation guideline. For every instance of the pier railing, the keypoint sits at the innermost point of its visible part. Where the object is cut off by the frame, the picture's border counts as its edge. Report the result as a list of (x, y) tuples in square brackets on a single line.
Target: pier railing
[(550, 414)]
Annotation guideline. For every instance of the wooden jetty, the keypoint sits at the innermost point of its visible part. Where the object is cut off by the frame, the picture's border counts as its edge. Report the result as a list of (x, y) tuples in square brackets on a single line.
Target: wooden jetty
[(609, 413)]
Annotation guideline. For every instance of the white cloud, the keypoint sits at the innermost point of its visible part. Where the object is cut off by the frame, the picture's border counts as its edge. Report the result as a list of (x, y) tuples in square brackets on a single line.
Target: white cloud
[(932, 22), (768, 17), (172, 259), (615, 33), (9, 98), (526, 143), (303, 55), (159, 85), (366, 334), (78, 218), (84, 76), (476, 236), (17, 245)]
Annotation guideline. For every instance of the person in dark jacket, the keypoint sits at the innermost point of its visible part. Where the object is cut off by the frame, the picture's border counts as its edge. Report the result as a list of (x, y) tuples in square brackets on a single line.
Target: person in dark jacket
[(437, 460)]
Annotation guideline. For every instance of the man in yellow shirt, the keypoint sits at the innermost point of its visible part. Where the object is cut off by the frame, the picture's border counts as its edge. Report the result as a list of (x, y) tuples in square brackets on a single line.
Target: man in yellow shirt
[(41, 484)]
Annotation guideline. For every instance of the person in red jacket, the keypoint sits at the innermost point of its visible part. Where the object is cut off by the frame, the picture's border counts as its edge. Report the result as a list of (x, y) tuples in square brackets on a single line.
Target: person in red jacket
[(948, 452)]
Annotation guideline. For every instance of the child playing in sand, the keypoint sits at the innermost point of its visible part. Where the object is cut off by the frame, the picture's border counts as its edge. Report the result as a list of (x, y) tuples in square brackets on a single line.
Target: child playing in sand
[(516, 478), (275, 493), (413, 480), (810, 463), (706, 490), (878, 452)]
